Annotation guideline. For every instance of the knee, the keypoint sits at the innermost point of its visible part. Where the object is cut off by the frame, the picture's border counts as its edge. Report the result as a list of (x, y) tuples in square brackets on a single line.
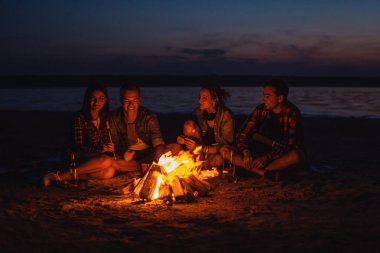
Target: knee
[(105, 161), (296, 156), (108, 173)]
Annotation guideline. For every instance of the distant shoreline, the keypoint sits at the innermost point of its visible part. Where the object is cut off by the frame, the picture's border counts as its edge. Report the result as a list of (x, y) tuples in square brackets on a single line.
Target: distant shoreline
[(48, 81)]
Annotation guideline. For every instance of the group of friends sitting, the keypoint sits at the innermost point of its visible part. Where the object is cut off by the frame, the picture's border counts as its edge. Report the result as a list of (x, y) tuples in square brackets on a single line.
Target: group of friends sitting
[(104, 142)]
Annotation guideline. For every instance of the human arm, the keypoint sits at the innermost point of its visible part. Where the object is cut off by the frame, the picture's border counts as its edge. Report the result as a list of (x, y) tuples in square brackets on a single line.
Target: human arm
[(291, 125), (181, 139), (158, 152), (226, 128), (156, 137), (244, 134), (245, 130), (117, 133), (155, 131), (128, 155)]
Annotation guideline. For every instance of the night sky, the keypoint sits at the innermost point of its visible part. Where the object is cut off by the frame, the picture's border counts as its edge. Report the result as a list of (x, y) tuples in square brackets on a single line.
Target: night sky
[(284, 37)]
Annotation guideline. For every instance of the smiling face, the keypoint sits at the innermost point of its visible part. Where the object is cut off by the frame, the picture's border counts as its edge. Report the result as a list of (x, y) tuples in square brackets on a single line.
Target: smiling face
[(206, 101), (97, 100), (131, 101), (271, 100)]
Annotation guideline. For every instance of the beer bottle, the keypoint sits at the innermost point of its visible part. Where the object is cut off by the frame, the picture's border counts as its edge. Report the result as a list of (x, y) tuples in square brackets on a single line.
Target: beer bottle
[(73, 170)]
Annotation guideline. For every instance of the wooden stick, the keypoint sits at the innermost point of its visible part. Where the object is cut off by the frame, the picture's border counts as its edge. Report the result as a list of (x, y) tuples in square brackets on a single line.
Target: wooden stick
[(109, 135), (142, 179)]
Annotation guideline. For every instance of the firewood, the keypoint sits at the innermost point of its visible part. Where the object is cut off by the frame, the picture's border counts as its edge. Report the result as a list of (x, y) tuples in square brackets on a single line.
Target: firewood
[(190, 195), (206, 184), (150, 182), (140, 183), (164, 190), (186, 187), (130, 187), (177, 188), (197, 185)]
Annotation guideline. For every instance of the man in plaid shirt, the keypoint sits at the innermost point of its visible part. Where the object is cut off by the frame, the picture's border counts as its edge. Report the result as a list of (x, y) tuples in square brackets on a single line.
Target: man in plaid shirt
[(279, 123)]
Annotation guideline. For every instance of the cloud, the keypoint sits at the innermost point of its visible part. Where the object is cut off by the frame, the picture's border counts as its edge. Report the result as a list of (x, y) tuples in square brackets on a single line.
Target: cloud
[(205, 53), (287, 53)]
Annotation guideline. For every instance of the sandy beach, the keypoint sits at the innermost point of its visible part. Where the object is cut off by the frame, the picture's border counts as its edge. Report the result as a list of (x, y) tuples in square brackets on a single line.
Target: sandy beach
[(334, 207)]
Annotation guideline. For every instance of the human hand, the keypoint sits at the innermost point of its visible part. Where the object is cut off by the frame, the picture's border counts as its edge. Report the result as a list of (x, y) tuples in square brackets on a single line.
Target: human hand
[(225, 151), (247, 160), (259, 163), (190, 144), (108, 147), (280, 147), (158, 152), (181, 139), (128, 155)]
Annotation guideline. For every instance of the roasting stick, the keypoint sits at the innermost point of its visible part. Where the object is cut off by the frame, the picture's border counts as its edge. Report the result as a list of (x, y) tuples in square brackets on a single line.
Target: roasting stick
[(109, 135)]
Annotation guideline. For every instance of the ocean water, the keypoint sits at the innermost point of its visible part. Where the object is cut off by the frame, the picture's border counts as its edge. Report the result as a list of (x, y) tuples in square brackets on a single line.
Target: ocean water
[(312, 101)]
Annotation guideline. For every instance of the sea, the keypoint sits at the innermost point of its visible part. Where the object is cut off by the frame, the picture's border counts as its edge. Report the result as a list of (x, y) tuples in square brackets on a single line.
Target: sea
[(358, 102)]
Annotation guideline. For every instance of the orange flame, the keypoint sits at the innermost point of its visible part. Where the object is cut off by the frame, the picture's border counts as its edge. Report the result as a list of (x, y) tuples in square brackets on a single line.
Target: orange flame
[(182, 165)]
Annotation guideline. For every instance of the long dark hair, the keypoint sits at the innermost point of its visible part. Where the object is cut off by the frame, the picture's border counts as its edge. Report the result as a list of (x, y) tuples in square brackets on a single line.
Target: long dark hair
[(86, 101), (217, 92)]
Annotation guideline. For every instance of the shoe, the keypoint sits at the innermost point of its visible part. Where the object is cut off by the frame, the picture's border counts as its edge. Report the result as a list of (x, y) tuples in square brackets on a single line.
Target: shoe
[(51, 178)]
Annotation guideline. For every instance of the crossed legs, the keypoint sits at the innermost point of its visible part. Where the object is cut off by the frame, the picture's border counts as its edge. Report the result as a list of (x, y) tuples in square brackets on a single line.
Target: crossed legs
[(291, 159)]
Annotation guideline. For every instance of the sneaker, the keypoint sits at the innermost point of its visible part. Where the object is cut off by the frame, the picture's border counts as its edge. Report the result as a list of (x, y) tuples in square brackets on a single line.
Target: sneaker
[(51, 178)]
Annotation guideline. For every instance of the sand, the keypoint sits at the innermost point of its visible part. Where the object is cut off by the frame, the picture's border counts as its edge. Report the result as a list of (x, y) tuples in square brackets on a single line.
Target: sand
[(334, 207)]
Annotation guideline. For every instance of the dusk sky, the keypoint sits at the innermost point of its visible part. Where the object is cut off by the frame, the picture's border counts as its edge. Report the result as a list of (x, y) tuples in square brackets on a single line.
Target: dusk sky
[(312, 38)]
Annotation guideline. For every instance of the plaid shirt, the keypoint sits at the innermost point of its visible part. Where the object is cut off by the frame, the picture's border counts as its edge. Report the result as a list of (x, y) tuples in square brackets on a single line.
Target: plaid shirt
[(87, 138), (290, 123)]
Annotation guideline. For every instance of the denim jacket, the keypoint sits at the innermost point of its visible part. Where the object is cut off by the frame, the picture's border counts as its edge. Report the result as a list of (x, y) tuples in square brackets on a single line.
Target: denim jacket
[(224, 125), (147, 129)]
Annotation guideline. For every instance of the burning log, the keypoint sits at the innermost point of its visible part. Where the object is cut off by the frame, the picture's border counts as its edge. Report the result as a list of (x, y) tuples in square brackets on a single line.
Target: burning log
[(198, 185), (130, 186), (150, 187), (177, 188), (164, 190), (140, 184), (190, 194), (150, 183), (174, 178)]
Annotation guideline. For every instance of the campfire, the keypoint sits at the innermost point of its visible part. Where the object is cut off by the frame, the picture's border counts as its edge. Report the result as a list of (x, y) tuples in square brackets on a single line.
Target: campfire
[(174, 178)]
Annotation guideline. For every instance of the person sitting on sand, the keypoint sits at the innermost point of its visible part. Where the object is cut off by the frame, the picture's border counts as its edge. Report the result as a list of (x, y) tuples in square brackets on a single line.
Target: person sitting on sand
[(135, 130), (213, 125), (191, 131), (271, 138), (92, 145)]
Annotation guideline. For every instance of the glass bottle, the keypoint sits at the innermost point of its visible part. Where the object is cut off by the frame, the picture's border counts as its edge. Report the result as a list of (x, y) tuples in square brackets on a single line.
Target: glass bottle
[(73, 170)]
